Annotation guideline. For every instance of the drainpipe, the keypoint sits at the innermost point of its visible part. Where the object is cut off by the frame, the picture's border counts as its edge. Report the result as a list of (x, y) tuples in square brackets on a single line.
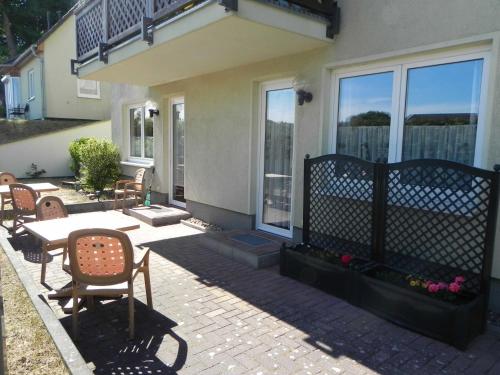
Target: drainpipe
[(42, 77)]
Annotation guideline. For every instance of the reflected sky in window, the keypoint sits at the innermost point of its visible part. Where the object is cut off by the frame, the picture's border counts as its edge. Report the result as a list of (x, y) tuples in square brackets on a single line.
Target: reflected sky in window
[(281, 105)]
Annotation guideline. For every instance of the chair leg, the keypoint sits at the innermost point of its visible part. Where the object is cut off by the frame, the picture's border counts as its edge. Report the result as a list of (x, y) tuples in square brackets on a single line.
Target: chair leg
[(2, 206), (147, 282), (65, 255), (75, 313), (44, 263), (131, 322)]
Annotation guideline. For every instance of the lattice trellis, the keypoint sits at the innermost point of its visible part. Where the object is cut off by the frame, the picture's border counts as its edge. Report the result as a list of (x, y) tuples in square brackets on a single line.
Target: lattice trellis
[(89, 29), (339, 207), (429, 218), (124, 14), (436, 220)]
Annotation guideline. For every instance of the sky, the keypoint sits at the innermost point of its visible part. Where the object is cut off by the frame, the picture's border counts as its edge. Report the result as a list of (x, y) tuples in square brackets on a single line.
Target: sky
[(449, 88), (281, 105)]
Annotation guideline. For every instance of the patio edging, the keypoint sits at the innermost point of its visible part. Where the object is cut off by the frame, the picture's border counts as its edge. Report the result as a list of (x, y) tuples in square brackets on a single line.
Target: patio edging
[(70, 355)]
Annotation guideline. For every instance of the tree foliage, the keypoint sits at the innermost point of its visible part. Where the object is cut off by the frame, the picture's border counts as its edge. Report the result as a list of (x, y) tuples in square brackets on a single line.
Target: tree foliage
[(24, 22)]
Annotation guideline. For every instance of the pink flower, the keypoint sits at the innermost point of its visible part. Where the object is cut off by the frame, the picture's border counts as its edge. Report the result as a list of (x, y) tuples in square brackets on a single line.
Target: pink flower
[(346, 259), (442, 286), (454, 287), (459, 279), (433, 288)]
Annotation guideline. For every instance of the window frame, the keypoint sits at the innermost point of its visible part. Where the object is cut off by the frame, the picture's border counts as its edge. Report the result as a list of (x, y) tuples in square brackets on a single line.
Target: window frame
[(400, 68), (88, 96), (31, 84), (139, 159)]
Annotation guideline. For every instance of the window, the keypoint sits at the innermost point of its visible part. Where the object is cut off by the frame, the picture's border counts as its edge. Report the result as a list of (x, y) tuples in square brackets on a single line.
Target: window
[(420, 110), (31, 84), (141, 133), (88, 89)]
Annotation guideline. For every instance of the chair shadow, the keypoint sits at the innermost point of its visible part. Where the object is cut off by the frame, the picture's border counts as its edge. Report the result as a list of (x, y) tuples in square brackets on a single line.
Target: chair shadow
[(103, 340), (32, 249)]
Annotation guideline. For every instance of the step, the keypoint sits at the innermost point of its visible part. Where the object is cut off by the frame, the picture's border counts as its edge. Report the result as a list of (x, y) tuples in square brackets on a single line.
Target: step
[(157, 215), (253, 248)]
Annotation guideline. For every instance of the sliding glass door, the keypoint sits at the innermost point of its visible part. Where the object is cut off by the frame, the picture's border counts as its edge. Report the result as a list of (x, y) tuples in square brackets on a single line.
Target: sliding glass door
[(276, 158)]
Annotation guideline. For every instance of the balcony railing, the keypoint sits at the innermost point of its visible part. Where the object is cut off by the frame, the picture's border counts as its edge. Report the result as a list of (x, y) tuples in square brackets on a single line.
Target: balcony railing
[(102, 24)]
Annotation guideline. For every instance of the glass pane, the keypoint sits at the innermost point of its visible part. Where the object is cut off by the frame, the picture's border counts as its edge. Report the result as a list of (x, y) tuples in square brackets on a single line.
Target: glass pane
[(364, 116), (278, 152), (148, 137), (442, 107), (178, 152), (135, 132)]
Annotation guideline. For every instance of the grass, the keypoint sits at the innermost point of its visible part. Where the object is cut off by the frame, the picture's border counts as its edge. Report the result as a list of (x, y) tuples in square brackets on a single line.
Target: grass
[(29, 348), (16, 130)]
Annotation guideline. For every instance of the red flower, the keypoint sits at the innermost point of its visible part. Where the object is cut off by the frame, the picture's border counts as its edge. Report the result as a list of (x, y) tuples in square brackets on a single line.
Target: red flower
[(433, 288), (459, 279), (454, 287), (346, 259)]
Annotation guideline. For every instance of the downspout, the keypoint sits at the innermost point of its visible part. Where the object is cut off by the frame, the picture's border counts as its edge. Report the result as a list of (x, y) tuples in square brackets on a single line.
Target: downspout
[(42, 77)]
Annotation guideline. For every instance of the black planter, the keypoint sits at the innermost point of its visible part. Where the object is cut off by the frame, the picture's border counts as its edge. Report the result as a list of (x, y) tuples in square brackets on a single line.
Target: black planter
[(337, 280), (455, 324)]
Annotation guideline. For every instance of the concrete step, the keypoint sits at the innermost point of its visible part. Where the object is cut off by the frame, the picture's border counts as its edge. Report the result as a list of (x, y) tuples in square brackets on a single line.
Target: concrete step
[(157, 215), (253, 248)]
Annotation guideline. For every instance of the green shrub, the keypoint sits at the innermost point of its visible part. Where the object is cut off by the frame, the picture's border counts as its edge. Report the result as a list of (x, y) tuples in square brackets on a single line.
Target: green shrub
[(75, 148), (100, 164)]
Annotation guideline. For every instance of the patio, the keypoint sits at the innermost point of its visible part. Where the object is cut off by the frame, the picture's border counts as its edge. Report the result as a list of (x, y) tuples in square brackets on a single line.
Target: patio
[(215, 316)]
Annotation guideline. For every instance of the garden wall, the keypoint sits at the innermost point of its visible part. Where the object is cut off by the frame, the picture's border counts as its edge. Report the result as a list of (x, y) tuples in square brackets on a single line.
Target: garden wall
[(49, 151)]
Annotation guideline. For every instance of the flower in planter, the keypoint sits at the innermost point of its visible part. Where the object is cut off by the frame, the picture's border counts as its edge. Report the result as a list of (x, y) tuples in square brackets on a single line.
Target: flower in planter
[(433, 288), (454, 287), (442, 286), (346, 260), (459, 279)]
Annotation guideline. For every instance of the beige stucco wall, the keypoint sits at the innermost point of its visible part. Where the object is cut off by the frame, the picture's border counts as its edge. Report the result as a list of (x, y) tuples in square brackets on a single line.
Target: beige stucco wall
[(222, 108), (49, 151), (36, 104), (62, 100)]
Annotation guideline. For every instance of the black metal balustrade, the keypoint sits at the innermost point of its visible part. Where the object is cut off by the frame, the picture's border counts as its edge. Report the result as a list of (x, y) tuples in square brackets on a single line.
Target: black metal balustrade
[(102, 24)]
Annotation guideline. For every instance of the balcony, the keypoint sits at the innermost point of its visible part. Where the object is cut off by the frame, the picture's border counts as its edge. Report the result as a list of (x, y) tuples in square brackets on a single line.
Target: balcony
[(118, 40)]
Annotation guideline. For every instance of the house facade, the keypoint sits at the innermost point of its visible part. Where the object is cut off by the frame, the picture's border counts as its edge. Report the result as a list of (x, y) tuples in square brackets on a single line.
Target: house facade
[(46, 85), (240, 91)]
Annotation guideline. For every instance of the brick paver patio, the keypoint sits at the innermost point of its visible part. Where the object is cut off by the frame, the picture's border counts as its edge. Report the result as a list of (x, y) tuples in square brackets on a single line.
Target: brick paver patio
[(214, 316)]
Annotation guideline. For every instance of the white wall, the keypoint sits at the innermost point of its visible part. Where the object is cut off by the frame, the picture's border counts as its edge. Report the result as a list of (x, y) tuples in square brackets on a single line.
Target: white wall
[(49, 152)]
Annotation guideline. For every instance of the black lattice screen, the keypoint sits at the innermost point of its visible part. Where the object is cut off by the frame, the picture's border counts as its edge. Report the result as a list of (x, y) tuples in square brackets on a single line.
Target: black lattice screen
[(339, 204), (429, 218)]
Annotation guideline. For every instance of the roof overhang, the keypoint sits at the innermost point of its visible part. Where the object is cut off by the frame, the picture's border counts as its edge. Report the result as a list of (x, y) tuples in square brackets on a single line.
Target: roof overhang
[(209, 38)]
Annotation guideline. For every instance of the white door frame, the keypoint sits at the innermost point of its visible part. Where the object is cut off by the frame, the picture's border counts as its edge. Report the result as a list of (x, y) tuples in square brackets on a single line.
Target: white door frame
[(269, 86), (171, 103)]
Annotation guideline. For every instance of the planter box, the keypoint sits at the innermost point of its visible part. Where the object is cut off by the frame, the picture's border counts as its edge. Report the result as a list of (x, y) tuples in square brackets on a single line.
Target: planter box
[(333, 279), (455, 324)]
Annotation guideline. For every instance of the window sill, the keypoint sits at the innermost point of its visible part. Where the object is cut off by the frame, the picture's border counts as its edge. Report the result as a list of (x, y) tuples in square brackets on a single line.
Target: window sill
[(138, 163)]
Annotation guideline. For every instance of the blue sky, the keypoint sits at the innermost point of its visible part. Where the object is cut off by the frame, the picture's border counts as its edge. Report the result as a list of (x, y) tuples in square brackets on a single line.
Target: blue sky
[(450, 88), (281, 105)]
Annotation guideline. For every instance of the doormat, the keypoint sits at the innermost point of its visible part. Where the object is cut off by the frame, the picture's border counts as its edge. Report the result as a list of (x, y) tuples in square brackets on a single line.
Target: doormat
[(250, 239)]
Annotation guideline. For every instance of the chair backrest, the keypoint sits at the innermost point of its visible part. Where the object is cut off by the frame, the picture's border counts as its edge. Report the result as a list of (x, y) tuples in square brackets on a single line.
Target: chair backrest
[(23, 199), (100, 256), (50, 207), (139, 176), (7, 178)]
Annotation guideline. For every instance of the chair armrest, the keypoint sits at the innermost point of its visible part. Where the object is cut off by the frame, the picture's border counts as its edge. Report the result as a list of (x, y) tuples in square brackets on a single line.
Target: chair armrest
[(121, 183), (132, 185)]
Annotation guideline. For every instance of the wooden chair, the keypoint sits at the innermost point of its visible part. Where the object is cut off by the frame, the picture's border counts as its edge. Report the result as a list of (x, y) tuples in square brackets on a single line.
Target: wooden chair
[(23, 205), (133, 188), (6, 178), (104, 263), (49, 208)]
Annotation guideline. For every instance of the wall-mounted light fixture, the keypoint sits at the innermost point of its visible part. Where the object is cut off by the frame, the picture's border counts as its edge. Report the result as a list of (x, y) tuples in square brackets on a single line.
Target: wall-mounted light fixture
[(304, 96), (154, 112)]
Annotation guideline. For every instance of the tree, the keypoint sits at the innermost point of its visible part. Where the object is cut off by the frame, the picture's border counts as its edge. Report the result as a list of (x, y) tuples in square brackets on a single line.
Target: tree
[(370, 118), (25, 21)]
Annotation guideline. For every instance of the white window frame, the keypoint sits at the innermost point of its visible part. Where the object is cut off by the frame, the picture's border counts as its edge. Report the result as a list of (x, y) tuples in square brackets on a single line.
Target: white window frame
[(88, 96), (139, 159), (264, 88), (400, 69), (31, 84), (173, 101)]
